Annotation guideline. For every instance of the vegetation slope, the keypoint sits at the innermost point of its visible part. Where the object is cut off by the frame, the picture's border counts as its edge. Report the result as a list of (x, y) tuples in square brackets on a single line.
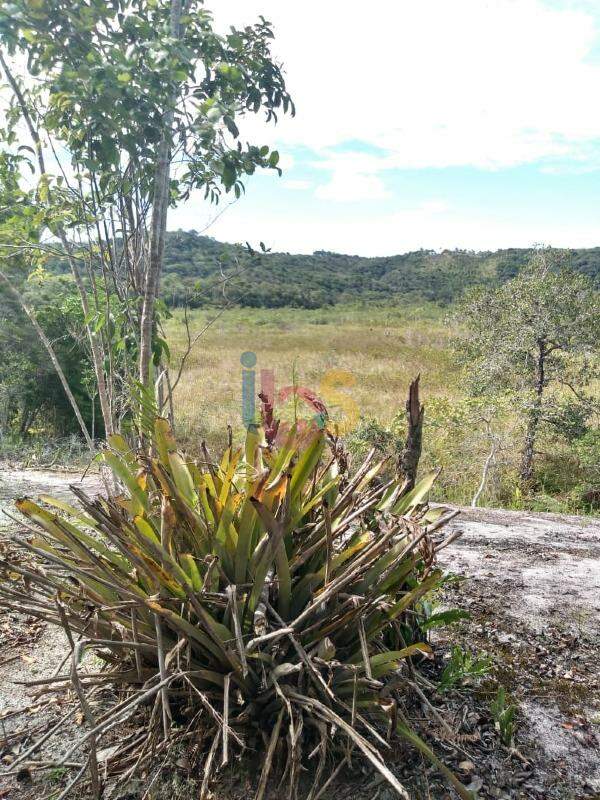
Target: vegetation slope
[(198, 268)]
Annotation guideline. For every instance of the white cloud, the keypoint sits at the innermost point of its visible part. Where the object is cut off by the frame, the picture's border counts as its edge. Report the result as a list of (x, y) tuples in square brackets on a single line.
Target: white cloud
[(434, 83), (434, 206), (286, 161), (489, 84), (353, 177), (429, 225), (296, 185), (352, 187)]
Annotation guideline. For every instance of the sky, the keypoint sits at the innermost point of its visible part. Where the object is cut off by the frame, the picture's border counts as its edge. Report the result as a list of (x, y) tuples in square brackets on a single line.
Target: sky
[(471, 124)]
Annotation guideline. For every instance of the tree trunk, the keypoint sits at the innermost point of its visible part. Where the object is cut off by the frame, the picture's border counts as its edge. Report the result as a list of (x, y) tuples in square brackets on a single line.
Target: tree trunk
[(55, 362), (95, 345), (411, 453), (158, 225), (27, 418), (486, 467), (533, 421)]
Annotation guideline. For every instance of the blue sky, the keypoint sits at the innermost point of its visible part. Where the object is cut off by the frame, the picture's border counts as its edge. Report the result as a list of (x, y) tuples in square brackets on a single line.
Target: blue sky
[(425, 123)]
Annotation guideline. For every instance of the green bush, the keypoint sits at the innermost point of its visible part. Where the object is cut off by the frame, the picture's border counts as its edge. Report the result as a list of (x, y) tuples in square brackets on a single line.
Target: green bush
[(32, 399), (372, 434), (463, 666), (504, 717), (267, 601)]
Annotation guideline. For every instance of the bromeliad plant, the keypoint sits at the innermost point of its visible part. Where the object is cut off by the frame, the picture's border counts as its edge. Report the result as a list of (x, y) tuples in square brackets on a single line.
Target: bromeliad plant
[(268, 602)]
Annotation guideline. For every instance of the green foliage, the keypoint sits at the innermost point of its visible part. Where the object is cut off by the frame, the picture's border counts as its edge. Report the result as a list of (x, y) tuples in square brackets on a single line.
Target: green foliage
[(536, 339), (270, 575), (30, 392), (21, 221), (463, 667), (440, 619), (587, 448), (370, 433), (106, 74), (194, 265), (40, 450), (505, 327), (113, 93), (383, 346), (570, 418), (504, 717), (541, 307), (31, 396)]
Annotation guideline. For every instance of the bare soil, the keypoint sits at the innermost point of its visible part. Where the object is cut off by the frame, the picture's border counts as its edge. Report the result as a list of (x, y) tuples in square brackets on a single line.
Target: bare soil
[(533, 592), (532, 587)]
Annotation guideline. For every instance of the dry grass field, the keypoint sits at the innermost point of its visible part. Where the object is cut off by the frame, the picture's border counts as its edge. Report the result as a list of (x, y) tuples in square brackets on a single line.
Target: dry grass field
[(368, 355), (360, 361)]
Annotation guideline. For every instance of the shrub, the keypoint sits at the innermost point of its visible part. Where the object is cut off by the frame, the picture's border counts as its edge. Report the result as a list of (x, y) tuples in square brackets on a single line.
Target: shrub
[(372, 434), (463, 666), (266, 602), (504, 717)]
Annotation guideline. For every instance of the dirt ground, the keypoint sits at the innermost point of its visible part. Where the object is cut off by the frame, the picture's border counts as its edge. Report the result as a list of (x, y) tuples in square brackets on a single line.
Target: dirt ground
[(533, 592), (532, 588)]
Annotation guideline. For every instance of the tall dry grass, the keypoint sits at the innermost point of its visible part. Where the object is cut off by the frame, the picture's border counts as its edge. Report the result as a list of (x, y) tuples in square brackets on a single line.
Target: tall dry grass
[(379, 349)]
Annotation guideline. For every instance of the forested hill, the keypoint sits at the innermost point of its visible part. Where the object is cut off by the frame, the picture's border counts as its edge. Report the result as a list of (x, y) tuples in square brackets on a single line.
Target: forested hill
[(199, 270)]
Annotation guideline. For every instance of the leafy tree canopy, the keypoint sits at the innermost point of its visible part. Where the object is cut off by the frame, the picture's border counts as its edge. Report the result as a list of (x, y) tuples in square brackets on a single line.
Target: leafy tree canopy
[(536, 336), (195, 264), (106, 72), (128, 106), (555, 311)]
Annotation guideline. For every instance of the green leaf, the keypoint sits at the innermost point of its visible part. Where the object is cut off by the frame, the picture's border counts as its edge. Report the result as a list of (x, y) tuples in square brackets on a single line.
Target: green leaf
[(417, 495), (182, 477), (138, 496), (444, 618), (408, 734), (306, 464), (392, 656), (188, 563)]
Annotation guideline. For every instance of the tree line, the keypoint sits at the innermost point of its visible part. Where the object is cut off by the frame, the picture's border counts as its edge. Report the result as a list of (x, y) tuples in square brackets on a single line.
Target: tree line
[(195, 267)]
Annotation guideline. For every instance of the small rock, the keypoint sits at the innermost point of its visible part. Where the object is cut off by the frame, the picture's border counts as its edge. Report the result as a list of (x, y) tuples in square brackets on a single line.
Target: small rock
[(504, 638), (476, 784)]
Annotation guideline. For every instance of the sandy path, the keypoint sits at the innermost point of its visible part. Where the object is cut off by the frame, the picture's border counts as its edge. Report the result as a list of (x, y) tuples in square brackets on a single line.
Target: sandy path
[(30, 650), (533, 589), (32, 482), (548, 563)]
